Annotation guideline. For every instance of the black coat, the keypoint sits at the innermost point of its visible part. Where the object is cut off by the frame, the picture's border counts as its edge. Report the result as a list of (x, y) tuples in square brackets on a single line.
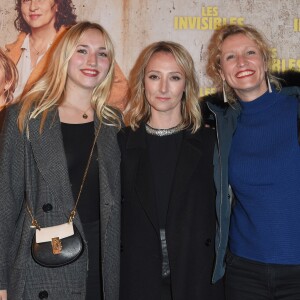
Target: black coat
[(190, 227)]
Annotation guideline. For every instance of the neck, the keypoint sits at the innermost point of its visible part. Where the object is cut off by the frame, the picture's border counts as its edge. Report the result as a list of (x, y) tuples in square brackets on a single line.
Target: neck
[(164, 122), (250, 95), (80, 98), (38, 35), (75, 111)]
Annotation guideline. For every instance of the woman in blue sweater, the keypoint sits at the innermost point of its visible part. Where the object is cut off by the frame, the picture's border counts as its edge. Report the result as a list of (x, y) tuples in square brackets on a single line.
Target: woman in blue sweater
[(263, 157)]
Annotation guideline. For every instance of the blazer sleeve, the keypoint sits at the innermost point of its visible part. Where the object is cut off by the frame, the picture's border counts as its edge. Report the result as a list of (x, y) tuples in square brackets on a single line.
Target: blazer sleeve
[(11, 186)]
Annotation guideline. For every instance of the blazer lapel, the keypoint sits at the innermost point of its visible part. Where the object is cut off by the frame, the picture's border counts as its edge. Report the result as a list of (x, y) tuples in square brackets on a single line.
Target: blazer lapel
[(109, 170), (144, 186), (49, 155)]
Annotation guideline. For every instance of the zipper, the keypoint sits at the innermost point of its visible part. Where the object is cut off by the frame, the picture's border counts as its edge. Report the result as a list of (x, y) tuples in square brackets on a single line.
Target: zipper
[(221, 176)]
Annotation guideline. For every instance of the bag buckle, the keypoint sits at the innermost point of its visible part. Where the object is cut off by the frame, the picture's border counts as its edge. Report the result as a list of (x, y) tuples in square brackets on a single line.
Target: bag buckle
[(56, 245)]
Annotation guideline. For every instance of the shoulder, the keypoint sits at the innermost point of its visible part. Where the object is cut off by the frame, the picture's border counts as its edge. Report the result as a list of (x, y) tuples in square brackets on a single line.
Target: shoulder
[(213, 106), (17, 43), (290, 81), (293, 91), (123, 135), (204, 137), (12, 113)]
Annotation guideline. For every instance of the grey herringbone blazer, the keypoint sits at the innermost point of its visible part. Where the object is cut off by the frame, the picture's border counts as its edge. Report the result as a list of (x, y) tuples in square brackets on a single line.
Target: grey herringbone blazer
[(42, 158)]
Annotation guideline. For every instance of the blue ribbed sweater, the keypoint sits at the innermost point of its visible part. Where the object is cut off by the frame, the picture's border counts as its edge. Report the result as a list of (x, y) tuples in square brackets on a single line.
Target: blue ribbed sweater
[(264, 172)]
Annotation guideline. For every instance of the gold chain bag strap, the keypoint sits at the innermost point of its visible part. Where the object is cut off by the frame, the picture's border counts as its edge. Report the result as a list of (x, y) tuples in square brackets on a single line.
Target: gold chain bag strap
[(59, 245)]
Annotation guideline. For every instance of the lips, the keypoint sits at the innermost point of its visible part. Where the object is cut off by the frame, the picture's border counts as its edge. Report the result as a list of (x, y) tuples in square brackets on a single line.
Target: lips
[(245, 73), (34, 17), (163, 98), (90, 72)]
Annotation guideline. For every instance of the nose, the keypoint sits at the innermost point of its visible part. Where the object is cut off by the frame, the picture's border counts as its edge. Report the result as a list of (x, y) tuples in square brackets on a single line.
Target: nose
[(241, 61), (163, 85), (33, 5), (92, 60)]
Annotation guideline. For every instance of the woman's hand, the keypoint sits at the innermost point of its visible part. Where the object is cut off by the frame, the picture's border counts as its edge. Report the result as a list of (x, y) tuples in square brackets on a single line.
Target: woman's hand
[(3, 294)]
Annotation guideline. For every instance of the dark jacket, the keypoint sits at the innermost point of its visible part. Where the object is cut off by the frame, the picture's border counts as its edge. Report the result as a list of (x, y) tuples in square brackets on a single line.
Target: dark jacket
[(48, 186), (2, 117), (190, 229), (223, 117)]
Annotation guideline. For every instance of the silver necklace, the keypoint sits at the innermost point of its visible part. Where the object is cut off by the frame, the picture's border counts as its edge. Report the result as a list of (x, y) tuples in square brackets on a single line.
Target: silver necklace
[(163, 132)]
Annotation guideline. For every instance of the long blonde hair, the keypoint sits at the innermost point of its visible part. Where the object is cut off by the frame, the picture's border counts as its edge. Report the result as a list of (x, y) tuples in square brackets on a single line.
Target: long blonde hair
[(48, 92), (138, 109), (213, 66)]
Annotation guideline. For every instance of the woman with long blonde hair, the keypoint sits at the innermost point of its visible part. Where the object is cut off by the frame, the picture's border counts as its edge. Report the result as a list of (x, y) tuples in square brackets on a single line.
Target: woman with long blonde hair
[(64, 157)]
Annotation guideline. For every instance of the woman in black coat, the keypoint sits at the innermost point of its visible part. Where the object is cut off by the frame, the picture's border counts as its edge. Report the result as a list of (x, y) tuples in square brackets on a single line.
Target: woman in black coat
[(168, 207)]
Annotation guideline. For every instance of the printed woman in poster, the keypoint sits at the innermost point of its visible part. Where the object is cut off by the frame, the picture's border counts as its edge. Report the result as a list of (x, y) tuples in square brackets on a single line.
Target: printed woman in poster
[(41, 25)]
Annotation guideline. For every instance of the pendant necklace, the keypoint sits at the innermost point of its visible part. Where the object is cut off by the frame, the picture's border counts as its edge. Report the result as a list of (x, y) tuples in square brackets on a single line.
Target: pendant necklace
[(84, 112), (39, 52), (85, 116)]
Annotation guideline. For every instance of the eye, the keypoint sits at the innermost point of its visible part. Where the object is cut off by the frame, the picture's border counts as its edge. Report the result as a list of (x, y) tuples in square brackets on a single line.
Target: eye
[(25, 1), (229, 57), (251, 52), (102, 54), (153, 77), (175, 78), (82, 51)]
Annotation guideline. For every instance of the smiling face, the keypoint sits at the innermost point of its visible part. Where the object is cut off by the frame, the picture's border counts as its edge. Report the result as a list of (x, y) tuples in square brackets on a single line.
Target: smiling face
[(243, 67), (89, 64), (164, 86), (38, 14)]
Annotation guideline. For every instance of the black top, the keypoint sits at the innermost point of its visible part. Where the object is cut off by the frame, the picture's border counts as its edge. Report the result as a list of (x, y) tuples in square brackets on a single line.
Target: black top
[(163, 154), (78, 140)]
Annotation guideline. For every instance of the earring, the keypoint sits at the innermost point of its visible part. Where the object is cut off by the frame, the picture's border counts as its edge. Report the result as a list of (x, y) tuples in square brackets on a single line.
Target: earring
[(269, 84), (224, 93)]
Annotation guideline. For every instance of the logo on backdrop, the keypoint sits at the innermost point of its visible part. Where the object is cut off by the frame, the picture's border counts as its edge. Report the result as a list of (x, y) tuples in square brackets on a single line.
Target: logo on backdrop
[(297, 25), (209, 20), (282, 64)]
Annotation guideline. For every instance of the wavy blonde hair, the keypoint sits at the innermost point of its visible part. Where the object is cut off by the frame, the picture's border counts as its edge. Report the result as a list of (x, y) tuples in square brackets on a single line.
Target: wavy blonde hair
[(213, 66), (10, 76), (138, 109), (49, 91)]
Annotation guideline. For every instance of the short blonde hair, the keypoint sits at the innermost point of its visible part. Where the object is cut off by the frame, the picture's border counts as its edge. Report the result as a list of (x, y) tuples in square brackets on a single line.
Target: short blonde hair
[(49, 91), (138, 109), (10, 76), (213, 66)]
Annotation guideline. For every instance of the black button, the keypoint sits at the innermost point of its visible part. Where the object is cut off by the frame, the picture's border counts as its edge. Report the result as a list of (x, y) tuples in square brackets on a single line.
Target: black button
[(43, 295), (122, 199), (122, 248), (47, 207), (208, 242)]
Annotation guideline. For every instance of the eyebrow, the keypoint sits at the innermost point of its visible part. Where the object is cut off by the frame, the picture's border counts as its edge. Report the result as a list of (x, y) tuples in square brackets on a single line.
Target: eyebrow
[(86, 46), (172, 72)]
